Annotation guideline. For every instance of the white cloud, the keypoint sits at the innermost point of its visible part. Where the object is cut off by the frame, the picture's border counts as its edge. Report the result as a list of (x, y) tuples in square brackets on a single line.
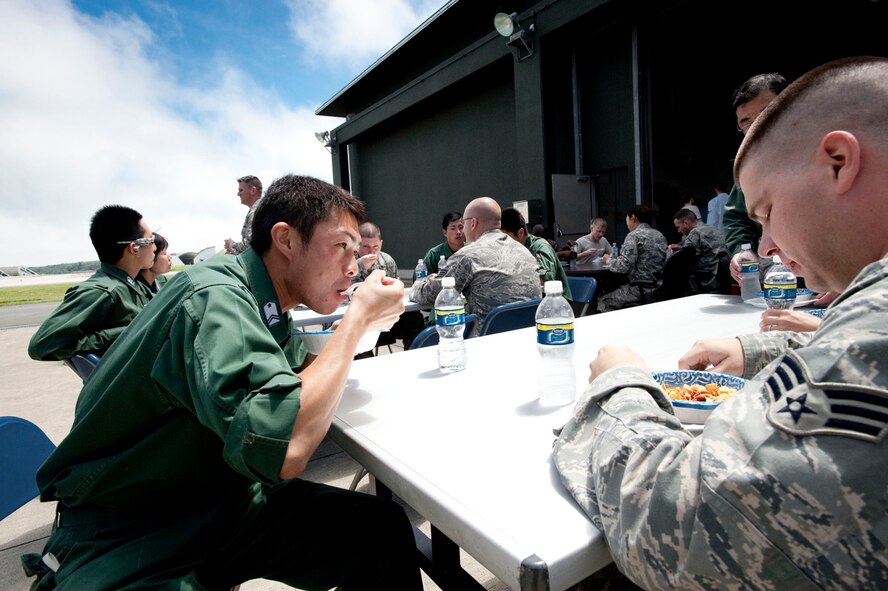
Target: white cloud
[(355, 32), (88, 119)]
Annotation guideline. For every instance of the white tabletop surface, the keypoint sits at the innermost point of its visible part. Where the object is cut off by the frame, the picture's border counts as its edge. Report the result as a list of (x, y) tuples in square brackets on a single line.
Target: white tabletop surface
[(471, 451), (304, 316)]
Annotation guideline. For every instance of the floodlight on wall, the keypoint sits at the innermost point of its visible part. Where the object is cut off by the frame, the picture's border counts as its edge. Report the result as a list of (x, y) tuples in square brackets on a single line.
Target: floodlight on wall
[(326, 139), (519, 36)]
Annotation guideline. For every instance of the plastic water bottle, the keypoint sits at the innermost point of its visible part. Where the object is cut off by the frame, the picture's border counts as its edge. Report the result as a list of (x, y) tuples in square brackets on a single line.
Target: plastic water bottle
[(442, 265), (450, 321), (555, 343), (615, 252), (750, 267), (421, 270), (780, 286)]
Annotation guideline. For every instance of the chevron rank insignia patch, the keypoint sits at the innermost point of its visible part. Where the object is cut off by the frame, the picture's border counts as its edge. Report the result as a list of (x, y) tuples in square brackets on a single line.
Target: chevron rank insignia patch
[(803, 406), (271, 313)]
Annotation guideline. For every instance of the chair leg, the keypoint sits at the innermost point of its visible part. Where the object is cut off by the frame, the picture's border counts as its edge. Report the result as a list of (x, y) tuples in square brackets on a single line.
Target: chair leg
[(362, 471)]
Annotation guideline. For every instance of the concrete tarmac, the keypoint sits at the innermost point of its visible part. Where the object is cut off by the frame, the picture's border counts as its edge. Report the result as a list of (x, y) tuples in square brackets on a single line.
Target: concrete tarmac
[(45, 393)]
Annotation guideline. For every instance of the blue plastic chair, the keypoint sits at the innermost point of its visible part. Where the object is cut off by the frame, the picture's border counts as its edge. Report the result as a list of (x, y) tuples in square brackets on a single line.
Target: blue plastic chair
[(23, 448), (582, 290), (84, 364), (509, 317), (429, 336)]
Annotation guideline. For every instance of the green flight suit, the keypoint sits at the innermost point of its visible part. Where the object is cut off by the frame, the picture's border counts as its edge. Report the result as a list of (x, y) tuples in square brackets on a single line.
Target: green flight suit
[(739, 229), (434, 255), (92, 315), (170, 474), (549, 267)]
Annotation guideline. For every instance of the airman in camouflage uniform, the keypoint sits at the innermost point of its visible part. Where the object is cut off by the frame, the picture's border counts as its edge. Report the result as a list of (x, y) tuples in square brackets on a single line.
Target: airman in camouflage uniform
[(370, 255), (709, 244), (492, 269), (786, 487), (642, 258)]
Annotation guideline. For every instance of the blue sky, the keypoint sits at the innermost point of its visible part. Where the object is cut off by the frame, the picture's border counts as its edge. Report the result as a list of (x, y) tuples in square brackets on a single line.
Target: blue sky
[(160, 105)]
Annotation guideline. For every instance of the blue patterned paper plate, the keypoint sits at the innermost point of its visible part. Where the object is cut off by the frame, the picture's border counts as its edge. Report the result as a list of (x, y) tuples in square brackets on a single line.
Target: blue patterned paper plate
[(819, 312), (695, 412)]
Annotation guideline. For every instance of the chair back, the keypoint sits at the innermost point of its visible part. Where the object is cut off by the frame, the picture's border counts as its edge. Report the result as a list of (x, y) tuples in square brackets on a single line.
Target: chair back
[(509, 317), (23, 448), (429, 336), (84, 364), (582, 290), (677, 274)]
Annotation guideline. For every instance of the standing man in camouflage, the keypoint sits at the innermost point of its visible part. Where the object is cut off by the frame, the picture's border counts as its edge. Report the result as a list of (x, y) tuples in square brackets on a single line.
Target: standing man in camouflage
[(490, 270), (707, 242), (642, 259), (786, 486), (549, 267), (249, 189)]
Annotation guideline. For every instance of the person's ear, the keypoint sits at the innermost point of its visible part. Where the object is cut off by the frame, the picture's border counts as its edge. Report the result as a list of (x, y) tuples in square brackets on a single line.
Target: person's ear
[(840, 150), (285, 239)]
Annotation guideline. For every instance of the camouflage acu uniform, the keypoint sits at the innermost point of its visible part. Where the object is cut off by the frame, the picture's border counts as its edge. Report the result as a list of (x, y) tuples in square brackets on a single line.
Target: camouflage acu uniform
[(246, 231), (709, 243), (491, 271), (642, 258), (786, 487), (383, 261), (549, 267)]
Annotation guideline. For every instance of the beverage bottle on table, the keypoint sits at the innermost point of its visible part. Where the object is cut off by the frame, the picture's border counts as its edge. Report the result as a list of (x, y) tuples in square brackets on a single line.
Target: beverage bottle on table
[(421, 270), (555, 343), (780, 286), (450, 321), (750, 267), (615, 252), (442, 265)]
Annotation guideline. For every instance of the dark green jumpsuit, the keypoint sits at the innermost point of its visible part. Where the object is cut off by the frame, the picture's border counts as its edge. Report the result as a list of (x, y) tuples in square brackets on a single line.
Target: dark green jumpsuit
[(169, 478), (92, 315)]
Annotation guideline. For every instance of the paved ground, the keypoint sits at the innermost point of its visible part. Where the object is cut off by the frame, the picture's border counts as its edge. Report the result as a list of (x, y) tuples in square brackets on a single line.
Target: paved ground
[(45, 393)]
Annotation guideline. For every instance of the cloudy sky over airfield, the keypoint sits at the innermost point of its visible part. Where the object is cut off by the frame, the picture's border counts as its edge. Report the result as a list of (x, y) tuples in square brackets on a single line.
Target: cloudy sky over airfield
[(161, 104)]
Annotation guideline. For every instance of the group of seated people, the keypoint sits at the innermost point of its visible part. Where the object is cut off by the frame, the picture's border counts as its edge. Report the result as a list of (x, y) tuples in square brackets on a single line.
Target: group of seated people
[(182, 465)]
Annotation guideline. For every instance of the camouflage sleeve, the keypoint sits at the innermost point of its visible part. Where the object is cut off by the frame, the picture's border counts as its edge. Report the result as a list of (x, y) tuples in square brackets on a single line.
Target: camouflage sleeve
[(625, 262), (391, 267), (425, 290), (761, 348)]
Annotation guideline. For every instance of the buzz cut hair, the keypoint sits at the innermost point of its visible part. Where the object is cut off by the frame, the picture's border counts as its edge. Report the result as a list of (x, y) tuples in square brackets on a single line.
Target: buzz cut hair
[(251, 181)]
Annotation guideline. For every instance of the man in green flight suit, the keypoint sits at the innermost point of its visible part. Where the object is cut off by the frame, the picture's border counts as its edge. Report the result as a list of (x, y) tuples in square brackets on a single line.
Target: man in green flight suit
[(549, 267), (181, 469), (96, 311)]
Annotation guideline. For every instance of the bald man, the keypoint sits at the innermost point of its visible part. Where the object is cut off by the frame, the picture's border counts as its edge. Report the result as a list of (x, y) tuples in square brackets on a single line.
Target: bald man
[(490, 270), (786, 486)]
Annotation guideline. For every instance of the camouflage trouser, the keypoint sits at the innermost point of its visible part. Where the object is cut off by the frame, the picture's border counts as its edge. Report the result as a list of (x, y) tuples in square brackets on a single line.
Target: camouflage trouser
[(626, 296)]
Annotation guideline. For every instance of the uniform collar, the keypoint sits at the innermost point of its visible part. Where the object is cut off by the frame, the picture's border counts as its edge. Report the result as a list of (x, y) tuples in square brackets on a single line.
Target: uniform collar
[(277, 321), (121, 275)]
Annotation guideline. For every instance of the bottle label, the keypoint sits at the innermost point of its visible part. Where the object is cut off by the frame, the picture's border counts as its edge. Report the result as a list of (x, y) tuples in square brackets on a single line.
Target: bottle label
[(450, 317), (779, 292), (749, 266), (555, 334)]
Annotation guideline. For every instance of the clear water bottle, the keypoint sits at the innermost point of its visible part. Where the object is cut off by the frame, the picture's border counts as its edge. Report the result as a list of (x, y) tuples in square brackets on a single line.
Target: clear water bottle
[(557, 382), (450, 321), (421, 270), (780, 286), (750, 267), (442, 265), (615, 252)]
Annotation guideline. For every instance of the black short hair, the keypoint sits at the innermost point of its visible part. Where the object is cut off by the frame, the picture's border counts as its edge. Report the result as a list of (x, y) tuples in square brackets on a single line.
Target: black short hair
[(302, 202), (512, 221), (643, 213), (450, 216), (755, 86), (109, 226), (685, 215), (161, 243)]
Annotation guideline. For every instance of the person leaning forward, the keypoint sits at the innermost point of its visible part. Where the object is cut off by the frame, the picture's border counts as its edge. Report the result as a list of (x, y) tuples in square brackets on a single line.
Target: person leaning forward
[(182, 466), (786, 486), (96, 311)]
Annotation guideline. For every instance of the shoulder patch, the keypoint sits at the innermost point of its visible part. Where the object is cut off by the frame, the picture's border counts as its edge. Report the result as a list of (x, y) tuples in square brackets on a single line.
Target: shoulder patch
[(271, 313), (802, 406)]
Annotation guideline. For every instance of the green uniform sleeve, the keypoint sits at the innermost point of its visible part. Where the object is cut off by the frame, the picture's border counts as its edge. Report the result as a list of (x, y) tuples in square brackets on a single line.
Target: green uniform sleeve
[(80, 323), (739, 229), (431, 261)]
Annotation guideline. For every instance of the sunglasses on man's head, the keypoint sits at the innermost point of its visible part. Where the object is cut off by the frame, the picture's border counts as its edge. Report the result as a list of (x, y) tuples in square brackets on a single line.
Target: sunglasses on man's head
[(139, 241)]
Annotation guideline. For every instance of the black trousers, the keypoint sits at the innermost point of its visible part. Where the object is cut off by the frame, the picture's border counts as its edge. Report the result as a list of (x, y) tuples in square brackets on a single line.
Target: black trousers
[(300, 533)]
